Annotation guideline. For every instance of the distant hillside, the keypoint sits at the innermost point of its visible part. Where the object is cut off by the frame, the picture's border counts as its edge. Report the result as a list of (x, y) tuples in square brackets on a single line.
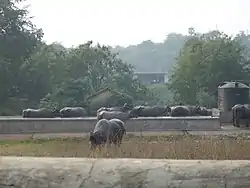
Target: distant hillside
[(153, 57), (160, 57)]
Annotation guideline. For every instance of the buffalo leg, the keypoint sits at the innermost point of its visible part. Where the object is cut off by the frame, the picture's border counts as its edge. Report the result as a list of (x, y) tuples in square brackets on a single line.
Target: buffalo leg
[(237, 124), (117, 140), (247, 122), (237, 121), (234, 121)]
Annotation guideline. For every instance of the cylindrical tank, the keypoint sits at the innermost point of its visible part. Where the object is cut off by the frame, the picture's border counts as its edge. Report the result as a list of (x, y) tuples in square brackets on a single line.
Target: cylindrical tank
[(229, 94)]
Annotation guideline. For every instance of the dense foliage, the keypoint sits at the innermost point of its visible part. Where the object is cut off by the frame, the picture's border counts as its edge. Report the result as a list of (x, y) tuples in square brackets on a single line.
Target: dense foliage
[(204, 62), (196, 63), (34, 74), (153, 57), (160, 57)]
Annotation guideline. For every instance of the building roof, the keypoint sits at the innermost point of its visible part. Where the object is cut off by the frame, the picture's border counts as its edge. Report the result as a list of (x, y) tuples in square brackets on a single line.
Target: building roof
[(105, 90), (101, 91)]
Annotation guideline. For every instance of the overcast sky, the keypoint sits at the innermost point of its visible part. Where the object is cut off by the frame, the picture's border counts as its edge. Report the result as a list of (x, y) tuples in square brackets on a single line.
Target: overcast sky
[(124, 22)]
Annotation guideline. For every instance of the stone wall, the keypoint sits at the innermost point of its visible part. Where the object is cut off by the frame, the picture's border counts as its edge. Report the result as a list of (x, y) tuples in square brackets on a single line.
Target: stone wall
[(29, 172)]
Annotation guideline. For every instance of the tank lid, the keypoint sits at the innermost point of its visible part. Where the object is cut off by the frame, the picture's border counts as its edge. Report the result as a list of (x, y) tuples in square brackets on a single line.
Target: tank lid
[(226, 85)]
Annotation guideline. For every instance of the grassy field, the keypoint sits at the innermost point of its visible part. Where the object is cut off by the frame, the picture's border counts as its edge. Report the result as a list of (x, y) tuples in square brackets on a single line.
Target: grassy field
[(171, 147)]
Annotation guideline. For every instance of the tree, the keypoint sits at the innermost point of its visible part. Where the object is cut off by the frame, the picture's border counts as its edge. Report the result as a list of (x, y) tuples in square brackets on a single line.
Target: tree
[(160, 95), (153, 57), (33, 73), (18, 39), (41, 72), (191, 31), (88, 69), (204, 62)]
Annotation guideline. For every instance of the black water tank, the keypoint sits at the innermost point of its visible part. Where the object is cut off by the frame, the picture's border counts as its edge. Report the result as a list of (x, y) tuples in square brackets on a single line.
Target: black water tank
[(231, 93)]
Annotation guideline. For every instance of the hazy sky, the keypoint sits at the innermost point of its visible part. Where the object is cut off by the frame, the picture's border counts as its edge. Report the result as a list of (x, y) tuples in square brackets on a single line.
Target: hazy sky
[(124, 22)]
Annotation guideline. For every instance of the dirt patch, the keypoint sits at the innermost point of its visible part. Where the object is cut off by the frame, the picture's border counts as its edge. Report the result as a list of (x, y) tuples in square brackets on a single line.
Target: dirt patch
[(171, 147)]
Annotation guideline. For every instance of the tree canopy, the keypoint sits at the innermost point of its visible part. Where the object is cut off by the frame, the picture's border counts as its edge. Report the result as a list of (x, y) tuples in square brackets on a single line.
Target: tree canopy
[(35, 74), (153, 57), (196, 63), (161, 57), (204, 62)]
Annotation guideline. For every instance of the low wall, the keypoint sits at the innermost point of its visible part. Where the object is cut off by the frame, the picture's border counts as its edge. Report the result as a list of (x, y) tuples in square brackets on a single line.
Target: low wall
[(28, 172), (76, 125)]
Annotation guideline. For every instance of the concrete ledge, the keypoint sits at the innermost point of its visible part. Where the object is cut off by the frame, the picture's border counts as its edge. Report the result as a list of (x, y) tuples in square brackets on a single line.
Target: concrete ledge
[(81, 125), (12, 118), (204, 123), (31, 172)]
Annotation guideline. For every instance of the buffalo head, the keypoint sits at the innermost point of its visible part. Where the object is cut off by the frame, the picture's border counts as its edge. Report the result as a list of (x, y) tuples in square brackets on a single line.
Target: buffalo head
[(96, 139)]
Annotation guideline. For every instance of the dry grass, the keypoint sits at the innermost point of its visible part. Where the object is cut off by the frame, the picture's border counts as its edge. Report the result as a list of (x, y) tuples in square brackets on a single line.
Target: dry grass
[(171, 147)]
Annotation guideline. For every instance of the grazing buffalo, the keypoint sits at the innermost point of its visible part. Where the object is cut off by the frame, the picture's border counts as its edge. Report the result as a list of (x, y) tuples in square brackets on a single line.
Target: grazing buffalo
[(124, 108), (122, 131), (150, 111), (40, 113), (105, 131), (182, 111), (241, 111), (114, 115), (68, 112)]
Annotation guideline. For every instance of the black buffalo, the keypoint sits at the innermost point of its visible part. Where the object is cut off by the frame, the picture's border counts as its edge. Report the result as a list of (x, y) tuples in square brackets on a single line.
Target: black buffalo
[(68, 112), (240, 111), (115, 115), (203, 111), (124, 108), (150, 111), (182, 111), (105, 131), (40, 113), (122, 131)]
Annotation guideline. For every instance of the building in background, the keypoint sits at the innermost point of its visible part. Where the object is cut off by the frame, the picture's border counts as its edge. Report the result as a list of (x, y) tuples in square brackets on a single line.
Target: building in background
[(151, 77)]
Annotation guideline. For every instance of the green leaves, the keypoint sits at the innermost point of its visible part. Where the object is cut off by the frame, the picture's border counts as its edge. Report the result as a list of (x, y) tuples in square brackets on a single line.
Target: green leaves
[(18, 40), (51, 74), (153, 57), (160, 95), (204, 62), (88, 69)]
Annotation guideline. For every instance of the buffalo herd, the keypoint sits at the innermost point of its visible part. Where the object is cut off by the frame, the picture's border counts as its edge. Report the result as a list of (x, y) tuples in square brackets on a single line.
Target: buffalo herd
[(65, 112), (109, 128), (123, 113), (110, 120)]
